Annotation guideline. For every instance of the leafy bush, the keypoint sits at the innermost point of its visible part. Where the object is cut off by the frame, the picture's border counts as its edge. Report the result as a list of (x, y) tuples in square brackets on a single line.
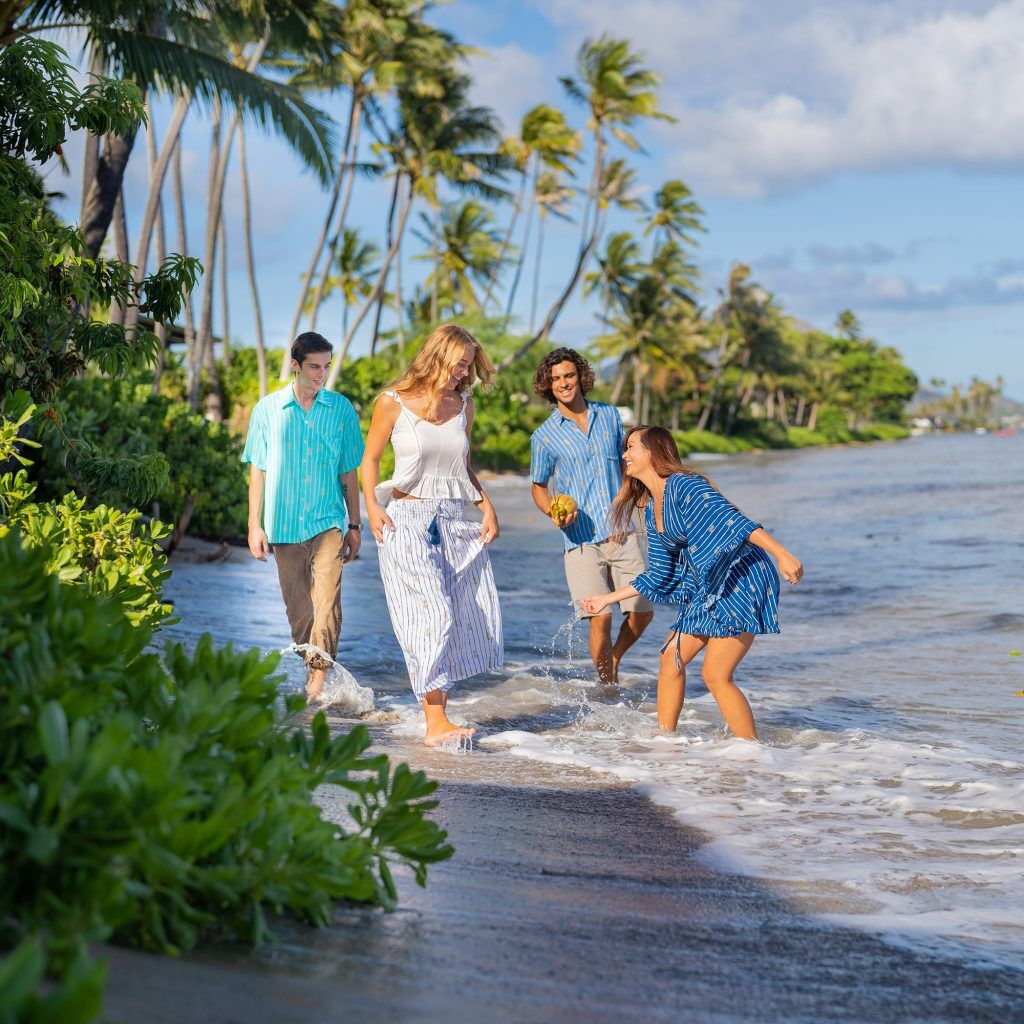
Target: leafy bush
[(204, 484), (882, 432), (156, 800), (76, 999), (705, 441)]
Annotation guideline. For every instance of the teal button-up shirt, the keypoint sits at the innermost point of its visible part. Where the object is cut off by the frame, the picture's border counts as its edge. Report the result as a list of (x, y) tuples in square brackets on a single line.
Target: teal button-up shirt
[(303, 454)]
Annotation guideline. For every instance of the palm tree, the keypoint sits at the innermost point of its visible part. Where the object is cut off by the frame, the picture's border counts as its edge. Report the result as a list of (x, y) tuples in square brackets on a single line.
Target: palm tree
[(676, 215), (386, 42), (617, 270), (439, 136), (545, 143), (551, 197), (470, 253), (652, 304), (250, 263), (163, 45), (617, 91), (736, 293), (354, 268)]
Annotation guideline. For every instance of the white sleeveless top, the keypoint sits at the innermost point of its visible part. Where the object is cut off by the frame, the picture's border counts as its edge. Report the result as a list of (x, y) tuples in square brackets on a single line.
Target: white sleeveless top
[(430, 458)]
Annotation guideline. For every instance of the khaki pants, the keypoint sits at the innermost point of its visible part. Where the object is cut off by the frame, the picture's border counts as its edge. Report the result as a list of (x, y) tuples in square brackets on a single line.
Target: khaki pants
[(605, 567), (310, 576)]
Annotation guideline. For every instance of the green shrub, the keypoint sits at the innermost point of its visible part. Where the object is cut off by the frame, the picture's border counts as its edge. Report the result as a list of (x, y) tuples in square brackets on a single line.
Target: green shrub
[(766, 434), (801, 437), (882, 432), (203, 473), (76, 998), (705, 441), (157, 800)]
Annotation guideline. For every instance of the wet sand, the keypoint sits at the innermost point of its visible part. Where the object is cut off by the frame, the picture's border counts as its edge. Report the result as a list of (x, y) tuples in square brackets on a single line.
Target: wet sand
[(576, 901)]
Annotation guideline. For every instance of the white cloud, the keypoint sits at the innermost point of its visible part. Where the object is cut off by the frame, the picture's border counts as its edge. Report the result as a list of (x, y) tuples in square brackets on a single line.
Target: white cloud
[(772, 96), (510, 81)]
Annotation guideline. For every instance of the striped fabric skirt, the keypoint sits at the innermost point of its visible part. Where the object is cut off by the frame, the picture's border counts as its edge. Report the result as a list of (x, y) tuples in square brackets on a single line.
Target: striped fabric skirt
[(440, 591)]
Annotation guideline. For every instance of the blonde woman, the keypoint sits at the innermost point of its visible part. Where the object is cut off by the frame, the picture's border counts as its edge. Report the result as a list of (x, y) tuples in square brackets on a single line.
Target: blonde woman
[(433, 560)]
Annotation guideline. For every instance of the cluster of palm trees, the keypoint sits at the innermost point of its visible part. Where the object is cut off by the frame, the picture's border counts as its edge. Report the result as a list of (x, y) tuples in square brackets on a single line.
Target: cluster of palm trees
[(482, 200), (475, 204)]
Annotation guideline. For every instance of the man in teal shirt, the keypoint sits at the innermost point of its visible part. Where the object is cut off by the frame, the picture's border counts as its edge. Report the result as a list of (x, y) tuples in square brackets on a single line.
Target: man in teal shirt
[(303, 447)]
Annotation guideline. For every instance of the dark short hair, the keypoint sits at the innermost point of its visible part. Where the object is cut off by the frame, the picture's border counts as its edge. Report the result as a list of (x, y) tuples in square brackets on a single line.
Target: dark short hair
[(542, 378), (309, 342)]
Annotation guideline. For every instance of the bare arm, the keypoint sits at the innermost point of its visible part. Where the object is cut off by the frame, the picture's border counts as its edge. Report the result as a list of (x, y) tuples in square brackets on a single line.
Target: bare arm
[(258, 545), (596, 605), (490, 529), (385, 415), (353, 539), (790, 567)]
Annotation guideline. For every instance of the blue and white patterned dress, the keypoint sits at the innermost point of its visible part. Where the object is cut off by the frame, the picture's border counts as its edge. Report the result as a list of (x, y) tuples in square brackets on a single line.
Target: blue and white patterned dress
[(703, 562)]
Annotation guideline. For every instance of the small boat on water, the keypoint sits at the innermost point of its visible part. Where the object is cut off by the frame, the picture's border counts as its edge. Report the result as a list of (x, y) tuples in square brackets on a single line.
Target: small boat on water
[(1006, 432)]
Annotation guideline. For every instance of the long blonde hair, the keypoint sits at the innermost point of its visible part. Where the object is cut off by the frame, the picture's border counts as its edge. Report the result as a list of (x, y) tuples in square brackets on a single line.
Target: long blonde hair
[(431, 367)]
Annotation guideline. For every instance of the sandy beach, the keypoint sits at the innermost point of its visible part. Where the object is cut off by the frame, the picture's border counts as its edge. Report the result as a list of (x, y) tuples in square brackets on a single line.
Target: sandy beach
[(574, 901)]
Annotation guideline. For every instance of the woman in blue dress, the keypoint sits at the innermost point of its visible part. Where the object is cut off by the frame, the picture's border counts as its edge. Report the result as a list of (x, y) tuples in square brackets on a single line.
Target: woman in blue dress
[(711, 560)]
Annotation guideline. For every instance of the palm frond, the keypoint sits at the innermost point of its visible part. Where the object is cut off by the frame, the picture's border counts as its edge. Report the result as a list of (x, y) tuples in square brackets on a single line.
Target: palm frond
[(159, 63)]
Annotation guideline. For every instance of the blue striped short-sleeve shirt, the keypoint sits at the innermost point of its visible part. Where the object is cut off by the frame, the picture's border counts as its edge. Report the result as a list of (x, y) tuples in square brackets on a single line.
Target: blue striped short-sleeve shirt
[(586, 466), (304, 455)]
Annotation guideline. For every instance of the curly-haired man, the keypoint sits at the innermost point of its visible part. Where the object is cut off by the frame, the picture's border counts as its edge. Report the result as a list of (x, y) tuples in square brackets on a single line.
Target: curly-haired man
[(578, 449)]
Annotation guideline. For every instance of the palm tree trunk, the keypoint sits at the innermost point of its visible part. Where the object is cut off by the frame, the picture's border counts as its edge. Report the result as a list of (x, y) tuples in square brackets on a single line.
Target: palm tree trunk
[(105, 188), (812, 419), (585, 252), (538, 259), (197, 356), (355, 107), (250, 260), (161, 241), (336, 240), (493, 279), (620, 381), (384, 291), (783, 413), (521, 262), (371, 298), (120, 226), (801, 405), (225, 344), (156, 182), (399, 311), (435, 292), (91, 156), (179, 205)]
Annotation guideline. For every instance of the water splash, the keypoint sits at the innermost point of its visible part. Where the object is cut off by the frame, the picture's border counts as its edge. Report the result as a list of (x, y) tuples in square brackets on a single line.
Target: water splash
[(342, 691), (460, 743)]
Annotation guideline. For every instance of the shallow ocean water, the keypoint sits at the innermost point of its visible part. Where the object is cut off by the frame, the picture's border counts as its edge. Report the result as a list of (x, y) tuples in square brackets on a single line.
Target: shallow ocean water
[(888, 789)]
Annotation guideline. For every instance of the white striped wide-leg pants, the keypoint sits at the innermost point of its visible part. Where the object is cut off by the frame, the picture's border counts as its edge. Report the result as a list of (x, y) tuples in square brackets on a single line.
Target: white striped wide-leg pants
[(440, 591)]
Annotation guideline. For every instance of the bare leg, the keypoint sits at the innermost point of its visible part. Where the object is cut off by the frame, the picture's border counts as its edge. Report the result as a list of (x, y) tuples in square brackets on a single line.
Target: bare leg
[(439, 728), (315, 683), (632, 628), (723, 655), (601, 648), (672, 678)]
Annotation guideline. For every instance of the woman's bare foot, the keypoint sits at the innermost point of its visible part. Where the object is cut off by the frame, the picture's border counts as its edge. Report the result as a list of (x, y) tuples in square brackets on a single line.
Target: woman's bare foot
[(446, 733), (315, 683)]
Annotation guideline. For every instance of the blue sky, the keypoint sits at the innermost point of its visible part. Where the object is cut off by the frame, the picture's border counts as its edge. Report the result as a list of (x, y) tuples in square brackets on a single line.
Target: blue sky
[(862, 154)]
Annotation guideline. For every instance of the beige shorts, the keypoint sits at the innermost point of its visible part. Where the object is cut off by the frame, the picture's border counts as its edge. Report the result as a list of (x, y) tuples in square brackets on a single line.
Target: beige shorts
[(593, 569)]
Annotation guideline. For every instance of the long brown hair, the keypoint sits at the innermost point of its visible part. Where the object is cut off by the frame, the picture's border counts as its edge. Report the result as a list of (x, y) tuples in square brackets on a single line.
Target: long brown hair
[(431, 367), (665, 461)]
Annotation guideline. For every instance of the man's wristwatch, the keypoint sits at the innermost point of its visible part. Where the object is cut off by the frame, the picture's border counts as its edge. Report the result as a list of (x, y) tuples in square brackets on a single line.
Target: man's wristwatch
[(356, 526)]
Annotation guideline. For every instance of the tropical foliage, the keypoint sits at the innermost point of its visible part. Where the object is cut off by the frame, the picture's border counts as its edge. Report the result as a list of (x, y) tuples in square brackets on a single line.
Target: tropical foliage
[(147, 798)]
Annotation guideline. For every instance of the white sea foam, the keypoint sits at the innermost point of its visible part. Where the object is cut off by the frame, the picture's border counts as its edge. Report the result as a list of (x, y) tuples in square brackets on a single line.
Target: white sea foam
[(923, 841)]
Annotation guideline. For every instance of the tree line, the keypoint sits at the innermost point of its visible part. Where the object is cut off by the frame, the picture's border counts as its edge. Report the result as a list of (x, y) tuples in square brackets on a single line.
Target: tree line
[(372, 89)]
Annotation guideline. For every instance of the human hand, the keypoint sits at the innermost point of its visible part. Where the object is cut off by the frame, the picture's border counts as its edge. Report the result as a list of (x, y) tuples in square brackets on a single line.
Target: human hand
[(379, 522), (350, 545), (563, 521), (790, 568), (489, 529), (595, 605), (258, 546)]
